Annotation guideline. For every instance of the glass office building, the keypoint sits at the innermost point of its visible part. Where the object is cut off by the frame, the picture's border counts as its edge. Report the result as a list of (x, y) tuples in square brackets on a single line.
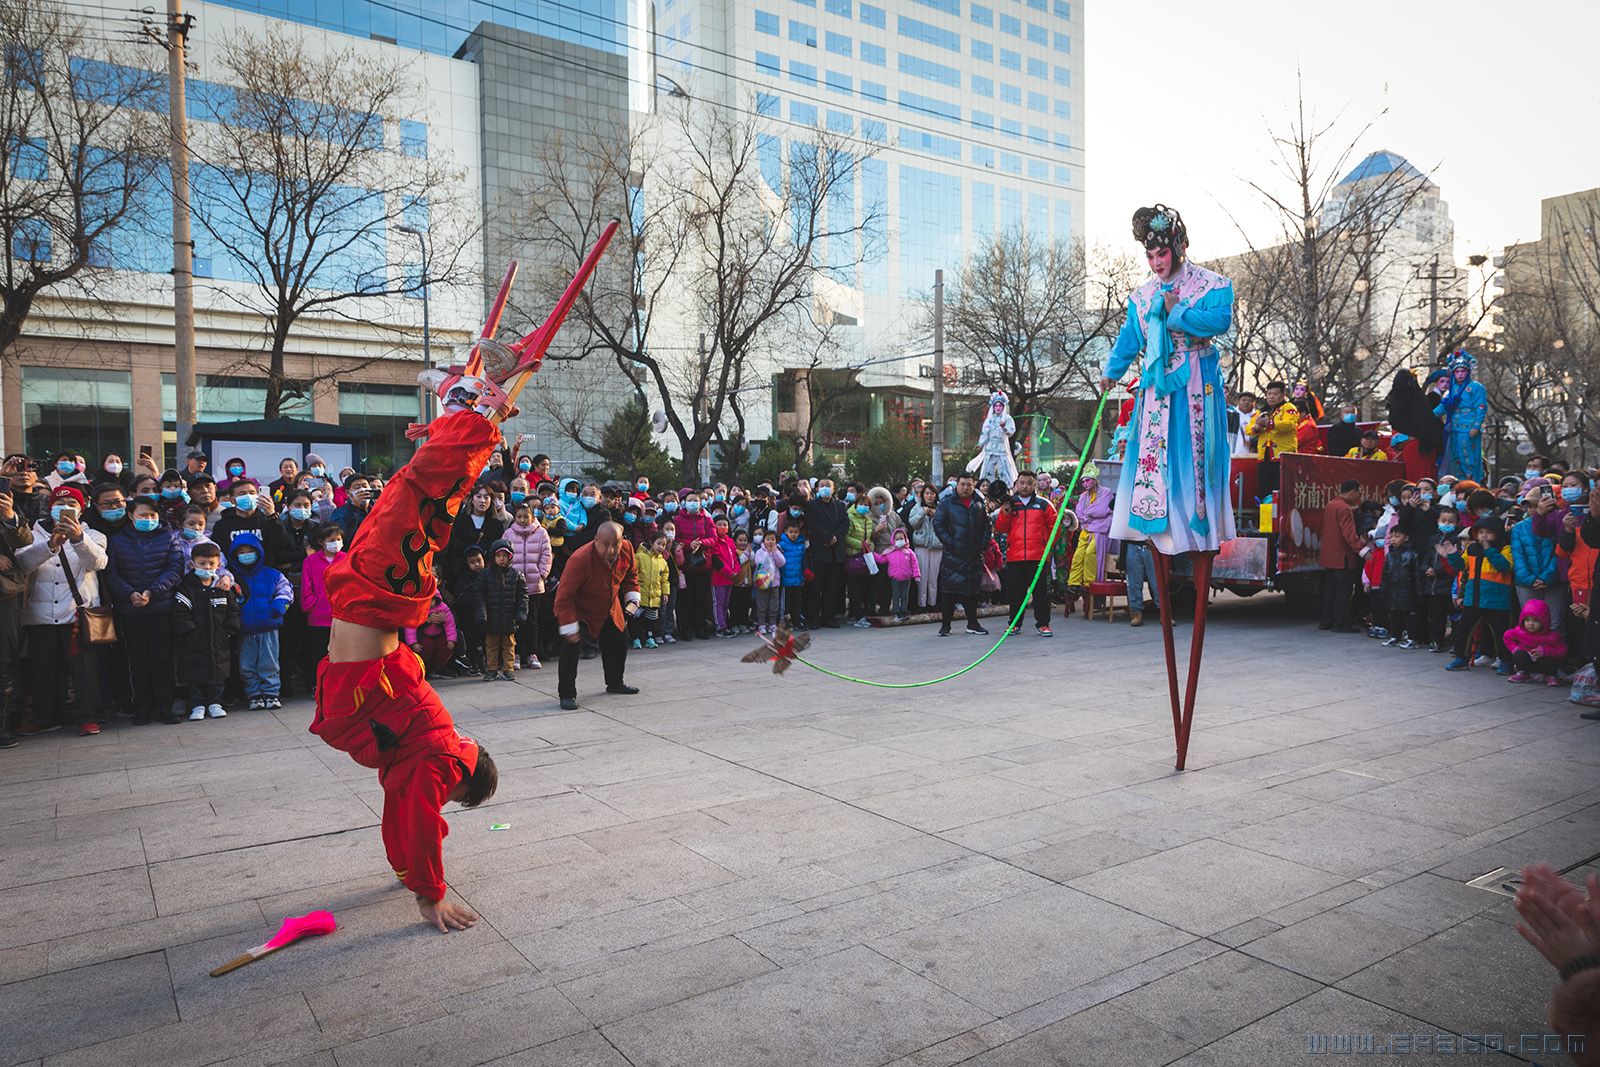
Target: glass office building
[(442, 26)]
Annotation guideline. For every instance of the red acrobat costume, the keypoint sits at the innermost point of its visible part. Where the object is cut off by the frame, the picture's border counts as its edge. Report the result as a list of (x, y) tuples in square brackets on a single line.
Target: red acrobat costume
[(382, 712)]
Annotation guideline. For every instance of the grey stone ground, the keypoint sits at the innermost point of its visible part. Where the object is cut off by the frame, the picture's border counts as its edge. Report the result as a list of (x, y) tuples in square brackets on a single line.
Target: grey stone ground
[(733, 868)]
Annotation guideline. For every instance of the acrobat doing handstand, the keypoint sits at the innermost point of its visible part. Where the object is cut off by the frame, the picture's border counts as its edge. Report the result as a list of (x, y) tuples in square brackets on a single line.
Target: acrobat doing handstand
[(372, 699)]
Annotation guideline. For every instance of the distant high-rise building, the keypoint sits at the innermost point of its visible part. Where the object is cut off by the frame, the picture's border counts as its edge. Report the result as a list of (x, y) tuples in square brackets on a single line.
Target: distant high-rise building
[(969, 118)]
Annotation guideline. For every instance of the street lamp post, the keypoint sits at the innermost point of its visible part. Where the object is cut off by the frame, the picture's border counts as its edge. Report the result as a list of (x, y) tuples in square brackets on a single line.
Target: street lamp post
[(427, 339)]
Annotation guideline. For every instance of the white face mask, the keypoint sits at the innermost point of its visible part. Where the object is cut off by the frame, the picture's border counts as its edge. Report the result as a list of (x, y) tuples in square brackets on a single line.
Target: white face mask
[(333, 548)]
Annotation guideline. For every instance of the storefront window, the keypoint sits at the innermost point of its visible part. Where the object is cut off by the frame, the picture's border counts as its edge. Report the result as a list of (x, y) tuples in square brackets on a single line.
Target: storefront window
[(384, 411), (81, 411)]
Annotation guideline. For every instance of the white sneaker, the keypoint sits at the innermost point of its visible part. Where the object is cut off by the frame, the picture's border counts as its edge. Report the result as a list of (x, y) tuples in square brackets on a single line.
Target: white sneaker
[(1483, 661), (215, 711), (197, 714)]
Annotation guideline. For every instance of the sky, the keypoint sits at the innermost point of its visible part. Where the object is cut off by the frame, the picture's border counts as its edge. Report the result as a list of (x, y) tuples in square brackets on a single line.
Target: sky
[(1497, 101)]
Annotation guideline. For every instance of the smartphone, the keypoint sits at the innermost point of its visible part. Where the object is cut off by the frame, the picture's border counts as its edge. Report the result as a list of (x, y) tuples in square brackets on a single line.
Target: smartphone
[(146, 450)]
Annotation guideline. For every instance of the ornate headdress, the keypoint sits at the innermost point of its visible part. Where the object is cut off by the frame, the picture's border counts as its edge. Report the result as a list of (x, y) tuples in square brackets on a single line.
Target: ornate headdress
[(1089, 471), (1462, 358), (998, 398), (1159, 227)]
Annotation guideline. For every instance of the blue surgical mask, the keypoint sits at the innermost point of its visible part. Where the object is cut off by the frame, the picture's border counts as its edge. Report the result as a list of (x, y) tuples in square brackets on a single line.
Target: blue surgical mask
[(524, 465), (247, 558), (1532, 472), (1394, 502), (850, 496), (720, 497), (114, 514), (1348, 417), (319, 471), (245, 503), (56, 511), (1571, 493), (568, 494), (671, 506), (643, 487), (1447, 527), (692, 506), (205, 572), (629, 517), (861, 509), (797, 512), (66, 467), (146, 525), (738, 509), (825, 492), (190, 533), (174, 494), (1425, 495), (299, 514), (518, 497), (591, 502), (226, 503)]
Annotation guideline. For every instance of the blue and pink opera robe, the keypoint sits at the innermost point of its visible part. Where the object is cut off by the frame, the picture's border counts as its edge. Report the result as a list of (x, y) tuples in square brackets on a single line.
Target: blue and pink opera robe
[(1165, 496)]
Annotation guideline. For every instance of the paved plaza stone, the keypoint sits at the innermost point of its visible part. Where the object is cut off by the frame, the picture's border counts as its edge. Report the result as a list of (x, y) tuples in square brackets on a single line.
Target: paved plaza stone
[(733, 868)]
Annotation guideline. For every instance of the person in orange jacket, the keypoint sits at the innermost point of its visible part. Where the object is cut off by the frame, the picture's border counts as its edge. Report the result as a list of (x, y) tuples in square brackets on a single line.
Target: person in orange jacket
[(372, 699)]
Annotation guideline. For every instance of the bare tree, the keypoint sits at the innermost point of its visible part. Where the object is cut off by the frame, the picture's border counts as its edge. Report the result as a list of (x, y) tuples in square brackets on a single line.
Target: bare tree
[(716, 250), (1542, 368), (1033, 316), (297, 188), (81, 141), (1328, 299)]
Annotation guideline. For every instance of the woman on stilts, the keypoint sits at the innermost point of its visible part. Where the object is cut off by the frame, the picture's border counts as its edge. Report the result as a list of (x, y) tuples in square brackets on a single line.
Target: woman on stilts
[(1174, 487)]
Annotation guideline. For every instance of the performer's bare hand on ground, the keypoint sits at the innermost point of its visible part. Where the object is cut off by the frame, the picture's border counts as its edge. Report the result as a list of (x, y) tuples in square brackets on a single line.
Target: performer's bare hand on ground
[(446, 916)]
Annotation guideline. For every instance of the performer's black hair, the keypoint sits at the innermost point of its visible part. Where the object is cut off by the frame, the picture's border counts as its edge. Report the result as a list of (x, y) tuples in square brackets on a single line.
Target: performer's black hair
[(484, 780), (1160, 227)]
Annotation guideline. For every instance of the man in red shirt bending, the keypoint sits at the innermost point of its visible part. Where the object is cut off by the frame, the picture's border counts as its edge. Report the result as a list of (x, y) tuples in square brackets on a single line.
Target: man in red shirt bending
[(372, 700)]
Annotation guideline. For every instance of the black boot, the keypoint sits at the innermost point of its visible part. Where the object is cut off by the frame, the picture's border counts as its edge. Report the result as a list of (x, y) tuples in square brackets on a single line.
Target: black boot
[(8, 716)]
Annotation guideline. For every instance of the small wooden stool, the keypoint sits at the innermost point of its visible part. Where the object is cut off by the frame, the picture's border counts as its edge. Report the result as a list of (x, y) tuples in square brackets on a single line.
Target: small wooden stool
[(1110, 591)]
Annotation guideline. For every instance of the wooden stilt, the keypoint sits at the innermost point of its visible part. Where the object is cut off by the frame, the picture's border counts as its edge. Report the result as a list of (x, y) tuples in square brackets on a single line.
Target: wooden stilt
[(1164, 590), (1202, 602)]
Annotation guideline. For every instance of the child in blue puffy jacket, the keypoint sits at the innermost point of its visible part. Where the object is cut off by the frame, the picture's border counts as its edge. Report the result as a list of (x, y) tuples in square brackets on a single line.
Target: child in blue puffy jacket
[(264, 597), (793, 546)]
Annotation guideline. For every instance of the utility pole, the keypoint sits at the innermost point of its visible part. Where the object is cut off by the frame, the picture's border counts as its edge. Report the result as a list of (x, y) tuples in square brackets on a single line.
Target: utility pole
[(178, 26), (705, 409), (1433, 312), (937, 469)]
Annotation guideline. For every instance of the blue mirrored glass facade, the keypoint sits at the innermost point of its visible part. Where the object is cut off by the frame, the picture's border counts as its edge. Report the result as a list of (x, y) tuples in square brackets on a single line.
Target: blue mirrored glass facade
[(440, 26)]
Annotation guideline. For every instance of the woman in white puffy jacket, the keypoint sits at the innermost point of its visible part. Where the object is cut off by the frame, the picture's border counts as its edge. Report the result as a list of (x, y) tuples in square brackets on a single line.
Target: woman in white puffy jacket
[(49, 616)]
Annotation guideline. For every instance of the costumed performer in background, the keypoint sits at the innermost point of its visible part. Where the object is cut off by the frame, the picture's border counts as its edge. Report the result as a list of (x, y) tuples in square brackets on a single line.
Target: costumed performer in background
[(1174, 488), (1463, 407), (994, 460)]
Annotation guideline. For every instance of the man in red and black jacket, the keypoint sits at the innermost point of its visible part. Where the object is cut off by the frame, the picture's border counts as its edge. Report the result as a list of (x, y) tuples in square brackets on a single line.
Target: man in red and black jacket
[(1025, 521)]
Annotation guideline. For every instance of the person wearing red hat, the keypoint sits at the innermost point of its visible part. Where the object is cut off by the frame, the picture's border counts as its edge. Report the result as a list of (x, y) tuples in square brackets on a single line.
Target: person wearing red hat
[(64, 556)]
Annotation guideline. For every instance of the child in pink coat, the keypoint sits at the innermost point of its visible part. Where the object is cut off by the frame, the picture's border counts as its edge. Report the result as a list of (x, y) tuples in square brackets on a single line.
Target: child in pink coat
[(904, 571), (723, 556), (1535, 649), (434, 641), (327, 548)]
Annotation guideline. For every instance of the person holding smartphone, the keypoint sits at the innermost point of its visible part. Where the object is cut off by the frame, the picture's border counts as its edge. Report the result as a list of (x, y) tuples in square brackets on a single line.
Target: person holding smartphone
[(61, 544)]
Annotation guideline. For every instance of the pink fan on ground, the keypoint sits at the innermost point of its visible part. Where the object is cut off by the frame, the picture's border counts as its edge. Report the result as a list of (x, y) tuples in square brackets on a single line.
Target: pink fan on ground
[(311, 924)]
